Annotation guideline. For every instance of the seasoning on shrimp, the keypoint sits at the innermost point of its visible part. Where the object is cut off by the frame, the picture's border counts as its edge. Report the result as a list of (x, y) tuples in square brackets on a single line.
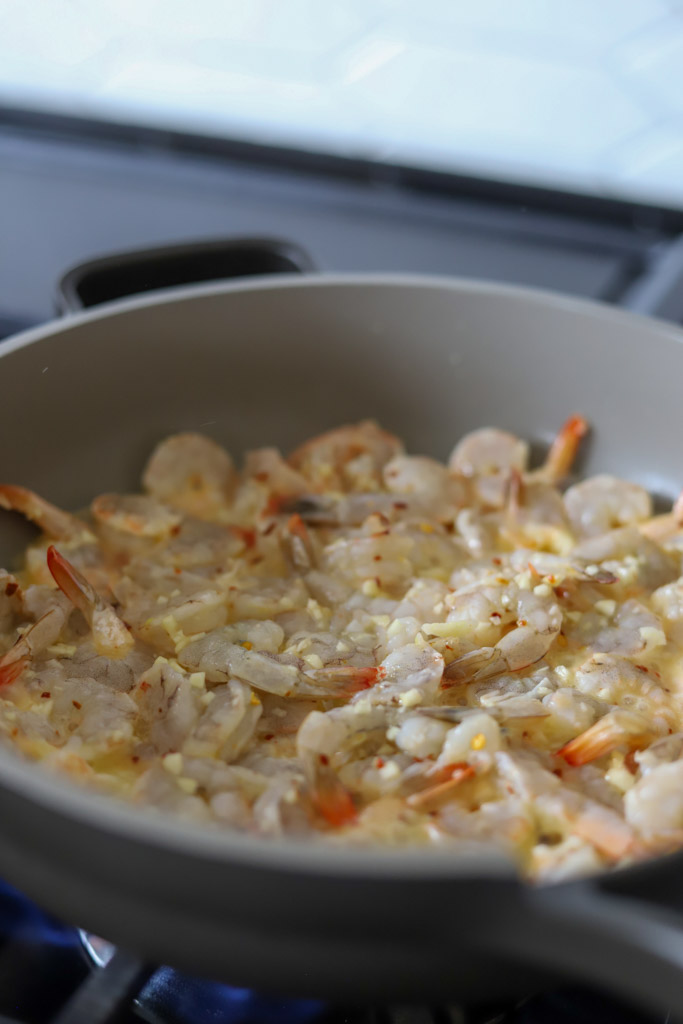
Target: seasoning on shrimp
[(360, 646)]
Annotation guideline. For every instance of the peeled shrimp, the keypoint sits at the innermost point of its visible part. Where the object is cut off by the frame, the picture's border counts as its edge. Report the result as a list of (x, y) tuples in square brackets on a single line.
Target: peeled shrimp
[(488, 456), (538, 619), (654, 805), (604, 502), (135, 514), (32, 642), (616, 729), (191, 472), (349, 458), (222, 659), (110, 636), (48, 518)]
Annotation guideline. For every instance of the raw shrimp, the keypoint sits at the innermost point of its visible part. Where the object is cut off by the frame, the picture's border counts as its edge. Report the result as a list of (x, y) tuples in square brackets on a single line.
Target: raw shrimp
[(191, 472), (427, 482), (604, 502), (136, 515), (349, 458), (655, 804), (227, 725), (110, 636), (48, 518), (618, 728), (488, 456), (537, 617), (358, 645), (10, 600), (30, 643), (562, 452), (536, 517), (221, 659)]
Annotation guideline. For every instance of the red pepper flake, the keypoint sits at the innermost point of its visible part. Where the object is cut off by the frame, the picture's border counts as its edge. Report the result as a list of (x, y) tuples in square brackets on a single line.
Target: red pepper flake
[(379, 762), (177, 571), (135, 758), (324, 759), (496, 615), (269, 529), (269, 736), (144, 685), (630, 762), (643, 668), (77, 704), (377, 558), (497, 561), (562, 593), (558, 772), (380, 533), (11, 588), (175, 530), (400, 505), (46, 694)]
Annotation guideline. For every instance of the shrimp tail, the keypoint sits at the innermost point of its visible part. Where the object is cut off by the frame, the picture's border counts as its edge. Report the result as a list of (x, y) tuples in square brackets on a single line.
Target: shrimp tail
[(13, 664), (606, 735), (71, 583), (329, 796), (346, 680), (110, 636), (47, 517), (564, 448)]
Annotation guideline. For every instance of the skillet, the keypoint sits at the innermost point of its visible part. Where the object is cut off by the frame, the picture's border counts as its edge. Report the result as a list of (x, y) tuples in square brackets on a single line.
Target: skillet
[(276, 360)]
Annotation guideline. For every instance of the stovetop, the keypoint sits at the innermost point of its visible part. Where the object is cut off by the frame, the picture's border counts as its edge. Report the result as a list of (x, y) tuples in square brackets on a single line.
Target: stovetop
[(50, 973), (70, 191)]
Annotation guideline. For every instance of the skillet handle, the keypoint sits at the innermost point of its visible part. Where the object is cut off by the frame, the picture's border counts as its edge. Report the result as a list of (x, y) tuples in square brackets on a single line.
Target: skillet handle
[(619, 939), (129, 273)]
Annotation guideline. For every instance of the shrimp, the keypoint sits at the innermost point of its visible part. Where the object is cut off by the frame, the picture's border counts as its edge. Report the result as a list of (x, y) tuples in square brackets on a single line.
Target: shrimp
[(110, 636), (562, 451), (428, 799), (192, 473), (135, 515), (11, 599), (663, 527), (538, 620), (488, 456), (298, 544), (634, 558), (604, 502), (616, 729), (36, 638), (227, 725), (407, 677), (427, 482), (535, 516), (350, 458), (221, 659), (267, 467), (654, 805), (330, 732), (347, 509), (329, 797), (48, 518)]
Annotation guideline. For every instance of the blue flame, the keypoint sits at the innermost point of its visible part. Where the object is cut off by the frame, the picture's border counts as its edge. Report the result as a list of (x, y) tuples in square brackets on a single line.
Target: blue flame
[(169, 995)]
